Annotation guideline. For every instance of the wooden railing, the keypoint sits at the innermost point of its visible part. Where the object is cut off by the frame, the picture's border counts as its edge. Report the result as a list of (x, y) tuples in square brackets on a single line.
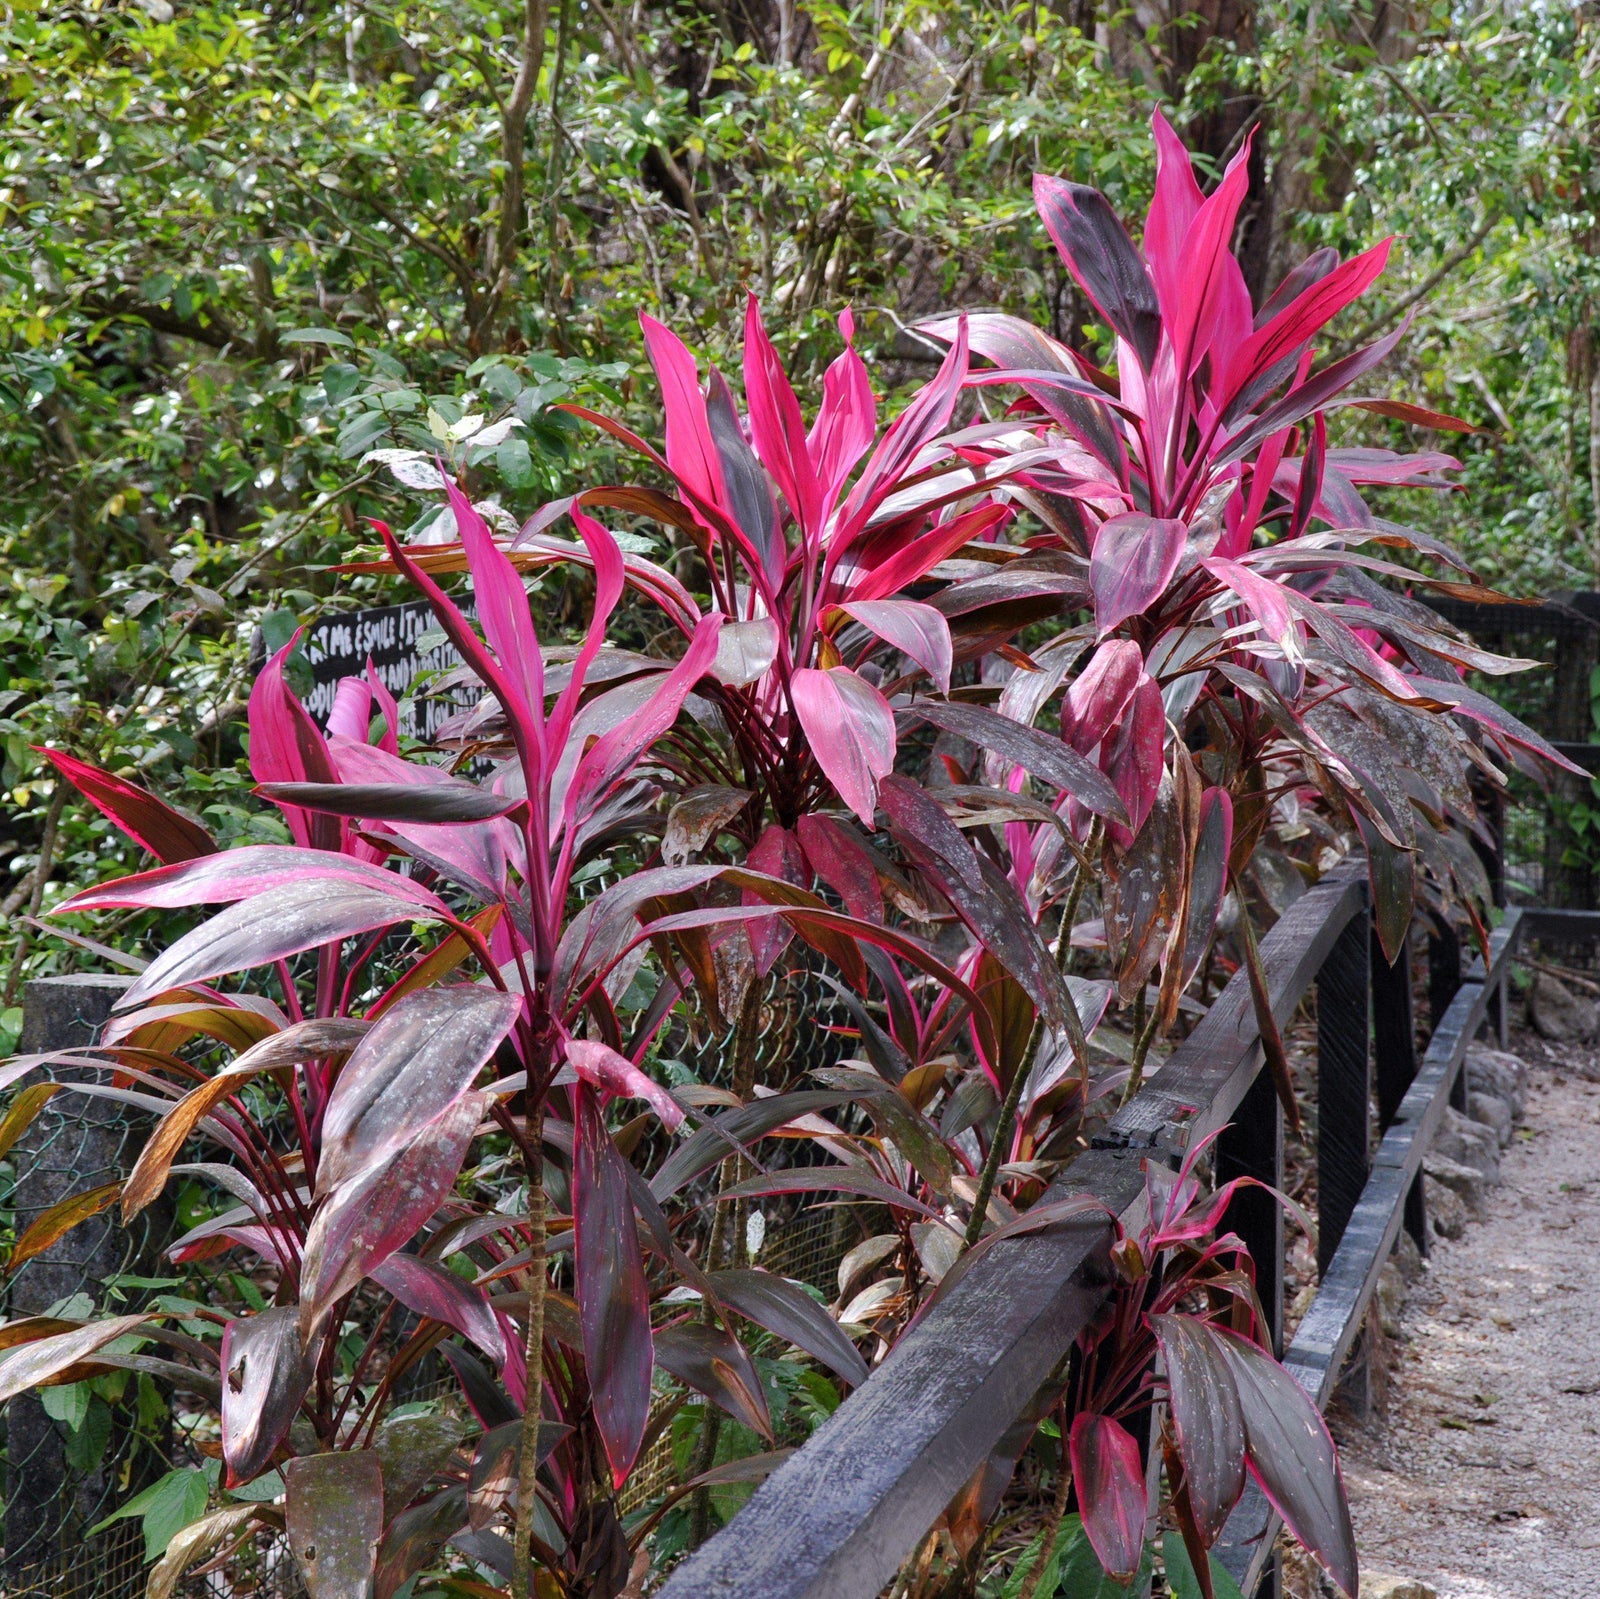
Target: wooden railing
[(838, 1518)]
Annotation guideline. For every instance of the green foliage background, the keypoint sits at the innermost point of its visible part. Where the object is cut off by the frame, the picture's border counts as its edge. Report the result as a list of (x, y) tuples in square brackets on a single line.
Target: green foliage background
[(243, 245)]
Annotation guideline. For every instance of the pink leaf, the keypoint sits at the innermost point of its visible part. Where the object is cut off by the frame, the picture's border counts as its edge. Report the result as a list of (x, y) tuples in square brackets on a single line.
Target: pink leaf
[(850, 729), (237, 874), (1134, 559), (1100, 693), (1109, 1479), (1261, 599), (691, 452), (1136, 757), (1177, 198), (777, 426), (891, 572), (282, 921), (847, 421), (914, 629), (602, 1067)]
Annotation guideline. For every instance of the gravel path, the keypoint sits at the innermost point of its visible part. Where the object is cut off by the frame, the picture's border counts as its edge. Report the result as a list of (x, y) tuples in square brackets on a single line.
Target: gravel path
[(1480, 1478)]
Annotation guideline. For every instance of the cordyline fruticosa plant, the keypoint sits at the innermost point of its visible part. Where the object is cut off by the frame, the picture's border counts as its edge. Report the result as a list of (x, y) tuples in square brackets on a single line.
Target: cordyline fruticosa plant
[(1189, 605)]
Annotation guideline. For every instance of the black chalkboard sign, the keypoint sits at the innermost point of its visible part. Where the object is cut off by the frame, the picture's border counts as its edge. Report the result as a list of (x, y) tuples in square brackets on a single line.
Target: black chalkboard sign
[(339, 646)]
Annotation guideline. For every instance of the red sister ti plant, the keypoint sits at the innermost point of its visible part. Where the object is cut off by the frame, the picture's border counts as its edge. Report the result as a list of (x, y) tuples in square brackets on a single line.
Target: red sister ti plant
[(1155, 632)]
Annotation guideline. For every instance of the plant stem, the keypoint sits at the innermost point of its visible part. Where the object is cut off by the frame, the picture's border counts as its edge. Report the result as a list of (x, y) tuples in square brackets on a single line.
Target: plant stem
[(528, 1457)]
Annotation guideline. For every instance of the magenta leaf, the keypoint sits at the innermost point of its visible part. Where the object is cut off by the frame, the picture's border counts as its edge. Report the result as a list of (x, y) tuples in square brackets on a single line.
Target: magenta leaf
[(691, 450), (1292, 1456), (1210, 1425), (264, 1377), (367, 1220), (281, 921), (850, 729), (411, 1066), (847, 419), (150, 822), (1134, 559), (613, 1294), (776, 425), (1109, 1479), (602, 1067), (912, 628)]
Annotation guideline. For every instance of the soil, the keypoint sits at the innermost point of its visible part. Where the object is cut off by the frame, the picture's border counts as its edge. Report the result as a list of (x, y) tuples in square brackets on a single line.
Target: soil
[(1479, 1476)]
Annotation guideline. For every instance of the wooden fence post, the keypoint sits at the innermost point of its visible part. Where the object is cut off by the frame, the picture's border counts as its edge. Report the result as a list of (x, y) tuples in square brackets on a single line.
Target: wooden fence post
[(1344, 1110), (1394, 1050), (1252, 1146)]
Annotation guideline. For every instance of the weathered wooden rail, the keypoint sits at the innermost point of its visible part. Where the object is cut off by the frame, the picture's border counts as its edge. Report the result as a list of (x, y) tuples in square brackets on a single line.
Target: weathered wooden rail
[(837, 1519)]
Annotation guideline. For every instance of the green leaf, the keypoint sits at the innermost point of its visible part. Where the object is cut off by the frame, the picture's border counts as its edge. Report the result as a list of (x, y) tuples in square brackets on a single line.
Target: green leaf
[(1081, 1574), (87, 1446), (68, 1404), (317, 336), (1181, 1578), (166, 1506)]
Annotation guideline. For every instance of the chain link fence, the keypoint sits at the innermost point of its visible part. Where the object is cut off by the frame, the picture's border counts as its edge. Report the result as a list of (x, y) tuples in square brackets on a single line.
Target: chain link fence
[(77, 1454)]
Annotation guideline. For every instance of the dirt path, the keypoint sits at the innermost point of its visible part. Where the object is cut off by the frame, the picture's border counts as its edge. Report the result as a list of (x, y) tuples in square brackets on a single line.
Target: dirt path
[(1482, 1479)]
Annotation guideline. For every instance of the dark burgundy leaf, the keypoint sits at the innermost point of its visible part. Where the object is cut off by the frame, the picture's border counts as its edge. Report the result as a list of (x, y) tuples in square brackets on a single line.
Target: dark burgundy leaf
[(1109, 1479), (335, 1516), (1209, 1422), (984, 899), (1101, 256), (785, 1308), (714, 1363), (413, 1063), (1041, 754), (1292, 1456), (394, 802), (613, 1295), (264, 1378)]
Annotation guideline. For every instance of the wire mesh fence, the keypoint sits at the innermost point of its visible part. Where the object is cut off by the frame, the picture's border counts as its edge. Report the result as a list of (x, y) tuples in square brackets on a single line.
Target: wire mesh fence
[(76, 1455)]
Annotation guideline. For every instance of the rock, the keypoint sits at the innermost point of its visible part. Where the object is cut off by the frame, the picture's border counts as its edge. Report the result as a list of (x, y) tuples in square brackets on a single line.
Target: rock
[(1468, 1143), (1391, 1298), (1497, 1072), (1447, 1211), (1385, 1585), (1493, 1112), (1560, 1015), (1407, 1257)]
